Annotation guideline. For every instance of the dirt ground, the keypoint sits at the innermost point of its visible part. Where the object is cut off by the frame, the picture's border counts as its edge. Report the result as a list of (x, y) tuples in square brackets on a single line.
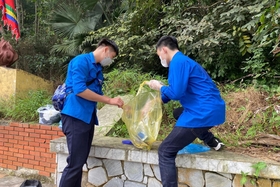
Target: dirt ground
[(252, 124), (262, 153)]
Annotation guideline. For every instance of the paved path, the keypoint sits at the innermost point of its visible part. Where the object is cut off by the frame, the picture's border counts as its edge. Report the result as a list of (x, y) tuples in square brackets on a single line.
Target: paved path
[(14, 181)]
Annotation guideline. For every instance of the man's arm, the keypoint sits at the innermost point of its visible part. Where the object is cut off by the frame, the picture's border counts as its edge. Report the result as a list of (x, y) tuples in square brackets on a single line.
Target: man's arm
[(92, 96)]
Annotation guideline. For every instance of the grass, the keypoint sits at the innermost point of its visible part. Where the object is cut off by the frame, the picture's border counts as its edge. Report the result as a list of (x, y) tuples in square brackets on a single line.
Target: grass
[(24, 109)]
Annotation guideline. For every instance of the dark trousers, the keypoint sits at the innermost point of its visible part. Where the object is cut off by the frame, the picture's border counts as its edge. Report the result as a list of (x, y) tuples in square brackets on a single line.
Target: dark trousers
[(79, 137), (174, 142)]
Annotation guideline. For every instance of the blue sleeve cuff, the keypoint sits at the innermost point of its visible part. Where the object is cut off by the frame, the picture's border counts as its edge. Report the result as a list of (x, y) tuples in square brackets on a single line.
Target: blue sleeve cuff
[(164, 98)]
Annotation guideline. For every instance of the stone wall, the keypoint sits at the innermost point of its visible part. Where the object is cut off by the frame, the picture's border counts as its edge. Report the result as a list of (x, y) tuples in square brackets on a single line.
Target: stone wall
[(112, 164)]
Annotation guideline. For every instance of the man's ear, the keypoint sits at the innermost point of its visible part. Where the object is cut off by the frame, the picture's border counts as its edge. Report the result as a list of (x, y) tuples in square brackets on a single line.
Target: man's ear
[(164, 49), (104, 48), (108, 48)]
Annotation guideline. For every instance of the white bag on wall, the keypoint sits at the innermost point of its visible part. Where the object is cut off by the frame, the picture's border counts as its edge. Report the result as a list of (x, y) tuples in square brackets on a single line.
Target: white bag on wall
[(48, 115)]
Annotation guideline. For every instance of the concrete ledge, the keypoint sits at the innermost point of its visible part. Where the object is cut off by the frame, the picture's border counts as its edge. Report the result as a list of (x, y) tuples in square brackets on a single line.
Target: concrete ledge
[(220, 162)]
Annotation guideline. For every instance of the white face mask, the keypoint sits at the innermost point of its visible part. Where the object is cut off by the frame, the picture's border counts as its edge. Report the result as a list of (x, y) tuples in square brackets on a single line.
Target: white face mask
[(106, 61), (163, 62)]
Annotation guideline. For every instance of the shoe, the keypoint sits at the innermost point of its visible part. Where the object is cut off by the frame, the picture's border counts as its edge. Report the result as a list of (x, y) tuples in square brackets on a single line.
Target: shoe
[(216, 144)]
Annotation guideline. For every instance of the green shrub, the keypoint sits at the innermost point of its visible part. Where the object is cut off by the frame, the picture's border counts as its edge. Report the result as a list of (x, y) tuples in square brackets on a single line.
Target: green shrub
[(25, 108), (125, 82)]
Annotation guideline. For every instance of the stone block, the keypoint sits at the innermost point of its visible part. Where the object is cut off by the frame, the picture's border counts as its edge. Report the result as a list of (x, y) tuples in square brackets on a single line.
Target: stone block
[(97, 176), (133, 184), (59, 146), (145, 180), (276, 184), (152, 182), (114, 182), (137, 156), (134, 171), (93, 162), (148, 171), (237, 181), (58, 177), (113, 167), (84, 179), (226, 175), (109, 153), (156, 172), (61, 164), (182, 185), (123, 177), (264, 183), (85, 169), (214, 180), (249, 184), (149, 157), (191, 177)]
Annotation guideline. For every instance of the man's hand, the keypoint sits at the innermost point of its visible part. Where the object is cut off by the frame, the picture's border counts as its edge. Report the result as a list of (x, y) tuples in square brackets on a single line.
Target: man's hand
[(116, 101), (155, 84)]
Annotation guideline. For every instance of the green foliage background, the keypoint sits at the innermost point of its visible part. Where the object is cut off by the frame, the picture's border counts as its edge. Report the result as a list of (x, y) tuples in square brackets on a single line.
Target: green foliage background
[(231, 39)]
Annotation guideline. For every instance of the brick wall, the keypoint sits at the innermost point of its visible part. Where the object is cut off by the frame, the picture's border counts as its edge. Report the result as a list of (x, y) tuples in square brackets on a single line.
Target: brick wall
[(28, 146)]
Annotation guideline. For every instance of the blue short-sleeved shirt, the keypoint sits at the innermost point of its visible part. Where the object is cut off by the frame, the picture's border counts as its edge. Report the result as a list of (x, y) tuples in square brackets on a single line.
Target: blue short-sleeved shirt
[(82, 69), (190, 84)]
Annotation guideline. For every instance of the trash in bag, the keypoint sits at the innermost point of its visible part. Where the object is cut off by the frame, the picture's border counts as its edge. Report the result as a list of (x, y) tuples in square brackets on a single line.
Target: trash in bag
[(48, 115), (31, 183), (142, 116)]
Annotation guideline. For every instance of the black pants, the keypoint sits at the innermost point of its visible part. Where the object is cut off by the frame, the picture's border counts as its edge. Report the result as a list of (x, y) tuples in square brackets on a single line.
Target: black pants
[(175, 141), (206, 136), (79, 137), (177, 112)]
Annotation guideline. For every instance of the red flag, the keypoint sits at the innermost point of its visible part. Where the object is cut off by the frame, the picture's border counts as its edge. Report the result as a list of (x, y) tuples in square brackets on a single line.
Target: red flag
[(9, 16)]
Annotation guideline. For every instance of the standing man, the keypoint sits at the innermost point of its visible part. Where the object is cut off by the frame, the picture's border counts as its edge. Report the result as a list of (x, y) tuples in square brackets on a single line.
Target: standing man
[(84, 85), (203, 107)]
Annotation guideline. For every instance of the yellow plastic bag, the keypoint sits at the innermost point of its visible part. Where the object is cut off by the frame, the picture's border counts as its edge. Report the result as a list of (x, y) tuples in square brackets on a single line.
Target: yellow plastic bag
[(142, 116)]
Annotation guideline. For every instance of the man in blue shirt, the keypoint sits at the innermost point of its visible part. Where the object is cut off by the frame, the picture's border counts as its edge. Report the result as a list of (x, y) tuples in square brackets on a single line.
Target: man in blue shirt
[(202, 106), (84, 85)]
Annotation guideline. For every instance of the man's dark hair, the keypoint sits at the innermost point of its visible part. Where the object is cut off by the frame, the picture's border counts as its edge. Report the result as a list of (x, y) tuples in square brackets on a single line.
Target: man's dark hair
[(110, 43), (168, 41)]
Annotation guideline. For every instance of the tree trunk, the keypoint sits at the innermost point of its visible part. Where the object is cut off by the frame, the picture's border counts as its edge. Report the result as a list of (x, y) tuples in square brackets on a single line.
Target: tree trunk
[(18, 6), (36, 20), (22, 17)]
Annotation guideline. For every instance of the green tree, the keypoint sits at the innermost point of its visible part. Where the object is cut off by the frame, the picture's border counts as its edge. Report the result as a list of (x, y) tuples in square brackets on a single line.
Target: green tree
[(74, 21), (233, 40)]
